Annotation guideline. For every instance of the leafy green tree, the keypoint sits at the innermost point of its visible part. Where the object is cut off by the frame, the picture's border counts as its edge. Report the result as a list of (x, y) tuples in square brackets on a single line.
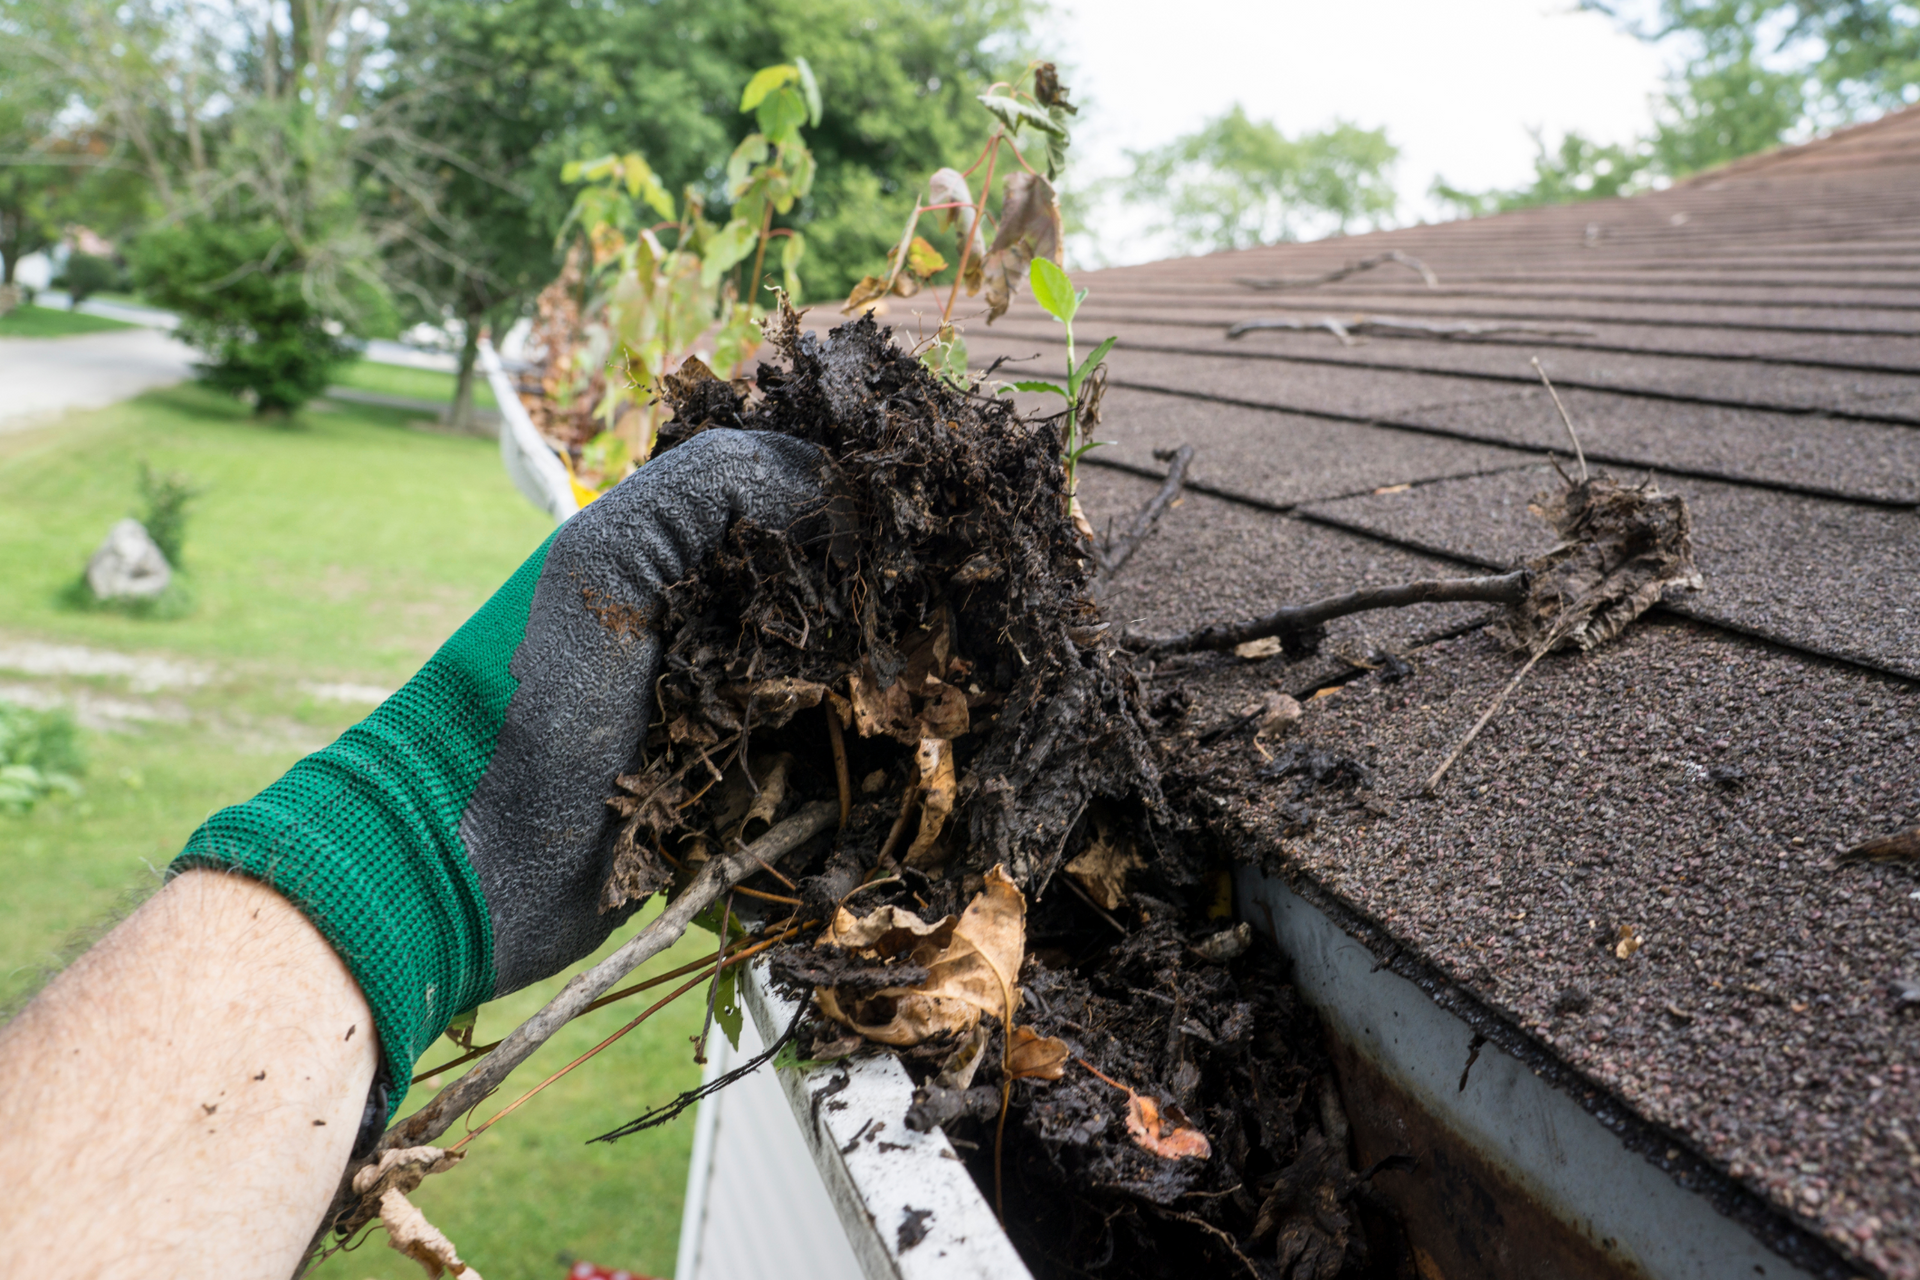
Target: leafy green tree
[(1577, 169), (1238, 182), (508, 93), (238, 287)]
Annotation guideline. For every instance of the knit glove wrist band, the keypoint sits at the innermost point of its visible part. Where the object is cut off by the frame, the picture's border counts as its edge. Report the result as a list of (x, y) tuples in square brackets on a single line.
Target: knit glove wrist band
[(452, 845)]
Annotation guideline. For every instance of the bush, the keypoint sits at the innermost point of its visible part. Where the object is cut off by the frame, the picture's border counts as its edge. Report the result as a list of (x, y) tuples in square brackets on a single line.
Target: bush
[(87, 274), (39, 756), (240, 291), (166, 494)]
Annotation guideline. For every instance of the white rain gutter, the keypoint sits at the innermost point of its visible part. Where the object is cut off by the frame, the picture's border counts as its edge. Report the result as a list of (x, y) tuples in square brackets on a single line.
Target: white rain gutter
[(531, 463)]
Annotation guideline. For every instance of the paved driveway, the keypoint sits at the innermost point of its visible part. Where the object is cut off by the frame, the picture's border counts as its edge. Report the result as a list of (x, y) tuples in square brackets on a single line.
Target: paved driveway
[(42, 377)]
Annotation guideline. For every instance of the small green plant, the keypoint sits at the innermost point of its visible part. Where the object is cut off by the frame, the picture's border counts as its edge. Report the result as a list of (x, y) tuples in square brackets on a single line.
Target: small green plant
[(1027, 123), (166, 494), (39, 757), (1054, 291), (665, 283)]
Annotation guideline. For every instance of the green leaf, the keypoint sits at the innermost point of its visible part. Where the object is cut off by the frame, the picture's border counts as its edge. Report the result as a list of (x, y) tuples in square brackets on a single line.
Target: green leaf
[(793, 248), (726, 1006), (725, 250), (764, 82), (789, 1059), (753, 150), (1088, 365), (1052, 289), (589, 170), (1054, 387), (923, 259), (811, 89), (781, 116), (1013, 113)]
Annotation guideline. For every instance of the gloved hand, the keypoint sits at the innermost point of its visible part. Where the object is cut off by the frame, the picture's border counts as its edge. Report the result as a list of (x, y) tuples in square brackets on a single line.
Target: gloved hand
[(452, 845)]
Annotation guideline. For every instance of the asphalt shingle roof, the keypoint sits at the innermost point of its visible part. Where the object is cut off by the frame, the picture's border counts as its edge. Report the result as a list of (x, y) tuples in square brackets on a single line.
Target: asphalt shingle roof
[(1751, 337)]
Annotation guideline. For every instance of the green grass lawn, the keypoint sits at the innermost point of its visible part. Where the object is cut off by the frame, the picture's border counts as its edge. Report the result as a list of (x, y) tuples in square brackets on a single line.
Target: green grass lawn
[(52, 322), (339, 549), (399, 380)]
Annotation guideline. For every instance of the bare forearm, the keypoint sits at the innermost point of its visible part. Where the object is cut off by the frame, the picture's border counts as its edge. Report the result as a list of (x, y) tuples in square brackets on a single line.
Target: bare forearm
[(183, 1099)]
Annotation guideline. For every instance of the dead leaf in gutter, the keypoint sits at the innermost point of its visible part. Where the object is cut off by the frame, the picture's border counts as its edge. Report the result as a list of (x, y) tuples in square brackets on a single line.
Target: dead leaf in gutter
[(879, 712), (1101, 868), (943, 712), (1032, 1056), (1170, 1136), (971, 964), (935, 763)]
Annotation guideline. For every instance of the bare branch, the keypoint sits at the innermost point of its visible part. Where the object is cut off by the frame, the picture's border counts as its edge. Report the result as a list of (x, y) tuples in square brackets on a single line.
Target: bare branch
[(1114, 556), (1296, 620), (1346, 329), (1577, 452), (1354, 268)]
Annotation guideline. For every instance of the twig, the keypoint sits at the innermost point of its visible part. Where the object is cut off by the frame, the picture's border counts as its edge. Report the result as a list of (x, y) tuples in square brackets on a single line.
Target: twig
[(837, 738), (1481, 723), (1116, 554), (1098, 910), (1345, 329), (1571, 434), (1406, 260), (1505, 588), (716, 877), (1212, 1230), (908, 804)]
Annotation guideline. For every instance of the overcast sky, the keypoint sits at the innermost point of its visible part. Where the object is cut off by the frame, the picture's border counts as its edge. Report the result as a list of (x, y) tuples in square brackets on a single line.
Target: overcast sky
[(1456, 83)]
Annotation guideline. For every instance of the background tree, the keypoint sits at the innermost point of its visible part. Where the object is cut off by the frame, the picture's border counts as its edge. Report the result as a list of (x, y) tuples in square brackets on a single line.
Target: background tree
[(1757, 73), (1238, 182), (508, 93)]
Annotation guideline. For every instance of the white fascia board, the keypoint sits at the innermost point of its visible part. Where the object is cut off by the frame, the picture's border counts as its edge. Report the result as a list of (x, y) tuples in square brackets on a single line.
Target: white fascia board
[(878, 1172)]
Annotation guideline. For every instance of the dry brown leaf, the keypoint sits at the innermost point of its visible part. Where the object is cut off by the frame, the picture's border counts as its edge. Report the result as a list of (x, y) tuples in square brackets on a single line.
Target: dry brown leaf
[(1171, 1136), (1029, 229), (934, 760), (1901, 846), (882, 712), (1101, 867), (1032, 1056), (775, 702), (943, 710), (1264, 647), (1630, 942), (409, 1232), (1621, 549), (869, 288), (971, 964)]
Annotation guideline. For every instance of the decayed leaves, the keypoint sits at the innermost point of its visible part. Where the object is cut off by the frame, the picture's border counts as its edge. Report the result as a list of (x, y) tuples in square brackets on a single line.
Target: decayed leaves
[(402, 1170), (409, 1232), (1101, 868), (1032, 1056), (971, 965), (1029, 229), (1621, 548), (1168, 1134)]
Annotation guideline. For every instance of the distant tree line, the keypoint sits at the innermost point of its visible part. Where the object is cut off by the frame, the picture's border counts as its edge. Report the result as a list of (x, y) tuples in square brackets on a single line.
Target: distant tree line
[(1757, 73)]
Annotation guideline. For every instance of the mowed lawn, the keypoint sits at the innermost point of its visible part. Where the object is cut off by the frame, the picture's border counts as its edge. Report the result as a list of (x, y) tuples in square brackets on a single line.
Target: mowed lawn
[(325, 560)]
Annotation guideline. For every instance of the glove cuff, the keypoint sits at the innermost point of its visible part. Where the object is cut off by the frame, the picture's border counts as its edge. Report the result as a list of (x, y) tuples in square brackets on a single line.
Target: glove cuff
[(363, 837)]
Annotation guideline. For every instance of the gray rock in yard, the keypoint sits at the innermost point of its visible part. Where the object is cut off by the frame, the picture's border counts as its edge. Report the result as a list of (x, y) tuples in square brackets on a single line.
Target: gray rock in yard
[(128, 566)]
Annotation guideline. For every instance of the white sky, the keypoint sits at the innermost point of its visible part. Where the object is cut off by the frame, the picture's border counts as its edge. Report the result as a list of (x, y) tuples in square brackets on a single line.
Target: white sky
[(1456, 83)]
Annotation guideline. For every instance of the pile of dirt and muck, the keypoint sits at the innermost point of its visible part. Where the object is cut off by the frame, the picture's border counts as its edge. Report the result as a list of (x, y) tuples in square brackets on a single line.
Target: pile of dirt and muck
[(1008, 902)]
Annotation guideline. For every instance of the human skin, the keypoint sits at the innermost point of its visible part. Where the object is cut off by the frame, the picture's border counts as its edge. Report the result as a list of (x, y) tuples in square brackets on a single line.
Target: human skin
[(182, 1100)]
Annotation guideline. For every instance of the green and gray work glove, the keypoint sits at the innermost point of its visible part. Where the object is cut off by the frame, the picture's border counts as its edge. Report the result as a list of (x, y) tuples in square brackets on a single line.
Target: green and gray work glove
[(452, 845)]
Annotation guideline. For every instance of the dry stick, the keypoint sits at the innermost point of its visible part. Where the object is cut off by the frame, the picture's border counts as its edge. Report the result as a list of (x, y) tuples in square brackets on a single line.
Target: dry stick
[(1341, 273), (639, 1018), (1115, 557), (1480, 724), (720, 873), (838, 739), (1344, 329), (1571, 434), (1505, 588)]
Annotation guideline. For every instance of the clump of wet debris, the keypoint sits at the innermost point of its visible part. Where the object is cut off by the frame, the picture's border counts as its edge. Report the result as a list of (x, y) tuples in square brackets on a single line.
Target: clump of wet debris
[(1008, 903)]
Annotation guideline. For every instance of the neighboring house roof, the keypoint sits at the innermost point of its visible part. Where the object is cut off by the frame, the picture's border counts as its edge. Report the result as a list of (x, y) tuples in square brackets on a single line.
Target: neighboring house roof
[(1752, 338)]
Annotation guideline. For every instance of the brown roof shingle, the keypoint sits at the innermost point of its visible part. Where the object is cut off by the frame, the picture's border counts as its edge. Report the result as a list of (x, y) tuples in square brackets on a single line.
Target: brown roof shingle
[(1753, 339)]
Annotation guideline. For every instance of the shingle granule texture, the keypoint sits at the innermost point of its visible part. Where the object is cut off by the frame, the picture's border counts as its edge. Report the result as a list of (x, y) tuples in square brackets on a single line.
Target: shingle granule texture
[(1753, 340)]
